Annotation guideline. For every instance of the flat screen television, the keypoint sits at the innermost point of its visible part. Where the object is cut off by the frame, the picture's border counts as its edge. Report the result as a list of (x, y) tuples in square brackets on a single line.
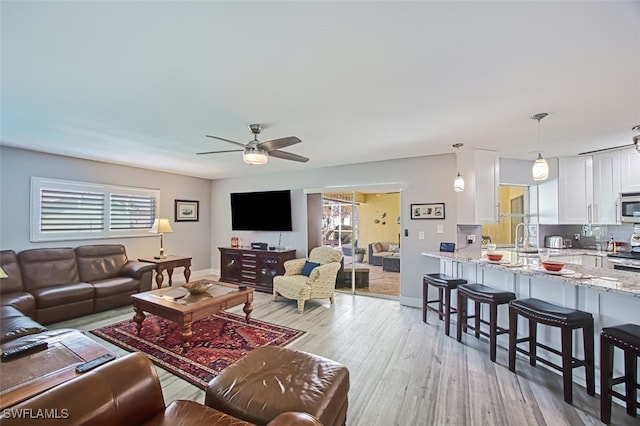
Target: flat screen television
[(261, 211)]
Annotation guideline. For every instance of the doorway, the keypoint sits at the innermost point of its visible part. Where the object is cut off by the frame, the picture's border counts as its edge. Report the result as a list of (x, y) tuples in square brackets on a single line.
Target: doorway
[(366, 227)]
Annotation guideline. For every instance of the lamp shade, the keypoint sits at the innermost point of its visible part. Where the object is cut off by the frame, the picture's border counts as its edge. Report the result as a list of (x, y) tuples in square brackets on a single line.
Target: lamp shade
[(255, 156), (540, 169), (161, 226), (3, 274), (458, 183)]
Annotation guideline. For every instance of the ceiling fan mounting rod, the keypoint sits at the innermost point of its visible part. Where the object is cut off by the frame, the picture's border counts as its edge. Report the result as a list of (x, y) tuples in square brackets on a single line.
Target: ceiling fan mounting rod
[(256, 129)]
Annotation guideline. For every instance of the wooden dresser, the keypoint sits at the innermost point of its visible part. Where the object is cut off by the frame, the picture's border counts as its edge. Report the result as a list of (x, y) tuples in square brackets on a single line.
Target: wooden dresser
[(255, 268)]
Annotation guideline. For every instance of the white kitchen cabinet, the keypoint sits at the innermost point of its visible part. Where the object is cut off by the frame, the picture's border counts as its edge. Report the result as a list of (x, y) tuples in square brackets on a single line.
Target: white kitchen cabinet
[(575, 190), (630, 170), (595, 261), (478, 204), (606, 188)]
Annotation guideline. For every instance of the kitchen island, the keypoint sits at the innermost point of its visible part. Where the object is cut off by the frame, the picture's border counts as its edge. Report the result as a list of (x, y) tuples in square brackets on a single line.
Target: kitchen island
[(611, 296)]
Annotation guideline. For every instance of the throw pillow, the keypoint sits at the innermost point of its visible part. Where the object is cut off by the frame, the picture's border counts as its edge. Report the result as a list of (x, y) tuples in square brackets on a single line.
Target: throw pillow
[(308, 267), (377, 247), (393, 248)]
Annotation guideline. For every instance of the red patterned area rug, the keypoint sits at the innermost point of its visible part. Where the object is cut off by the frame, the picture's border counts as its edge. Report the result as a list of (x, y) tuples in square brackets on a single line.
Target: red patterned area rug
[(217, 342)]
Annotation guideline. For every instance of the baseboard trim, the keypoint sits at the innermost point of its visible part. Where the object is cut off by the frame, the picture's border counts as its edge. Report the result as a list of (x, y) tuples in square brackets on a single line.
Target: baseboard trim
[(413, 302), (195, 275)]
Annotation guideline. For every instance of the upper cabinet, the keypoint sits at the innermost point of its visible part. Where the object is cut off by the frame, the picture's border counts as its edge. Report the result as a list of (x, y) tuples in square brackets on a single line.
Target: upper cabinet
[(630, 170), (586, 190), (478, 204), (575, 190), (606, 188)]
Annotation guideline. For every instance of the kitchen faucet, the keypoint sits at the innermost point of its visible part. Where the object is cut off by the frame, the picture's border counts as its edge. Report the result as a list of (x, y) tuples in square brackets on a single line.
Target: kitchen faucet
[(524, 239)]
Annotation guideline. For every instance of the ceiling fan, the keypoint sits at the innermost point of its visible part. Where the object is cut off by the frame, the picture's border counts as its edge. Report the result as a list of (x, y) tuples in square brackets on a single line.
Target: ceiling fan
[(256, 152)]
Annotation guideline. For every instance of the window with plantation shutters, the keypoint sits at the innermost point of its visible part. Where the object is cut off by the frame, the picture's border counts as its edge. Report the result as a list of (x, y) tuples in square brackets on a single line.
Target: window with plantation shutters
[(67, 210)]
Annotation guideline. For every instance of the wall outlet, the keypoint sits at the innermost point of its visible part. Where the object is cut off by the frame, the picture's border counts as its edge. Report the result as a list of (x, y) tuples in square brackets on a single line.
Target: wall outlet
[(471, 239)]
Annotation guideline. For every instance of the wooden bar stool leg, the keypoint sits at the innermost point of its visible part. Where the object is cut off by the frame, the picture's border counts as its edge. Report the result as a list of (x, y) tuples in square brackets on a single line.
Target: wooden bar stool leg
[(462, 315), (590, 369), (476, 314), (533, 342), (513, 330), (493, 331), (606, 376), (425, 296), (567, 371), (440, 309), (631, 390), (447, 316)]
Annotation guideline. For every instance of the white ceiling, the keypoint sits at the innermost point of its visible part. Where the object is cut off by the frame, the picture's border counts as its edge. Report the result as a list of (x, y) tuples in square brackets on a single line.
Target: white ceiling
[(141, 83)]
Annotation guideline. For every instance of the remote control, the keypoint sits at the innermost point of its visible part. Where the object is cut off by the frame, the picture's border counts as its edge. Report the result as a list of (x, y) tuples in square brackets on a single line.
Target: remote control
[(90, 365), (23, 350)]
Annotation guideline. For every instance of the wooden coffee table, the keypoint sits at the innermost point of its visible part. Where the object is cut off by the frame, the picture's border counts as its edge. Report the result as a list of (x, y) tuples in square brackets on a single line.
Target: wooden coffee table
[(34, 373), (188, 308)]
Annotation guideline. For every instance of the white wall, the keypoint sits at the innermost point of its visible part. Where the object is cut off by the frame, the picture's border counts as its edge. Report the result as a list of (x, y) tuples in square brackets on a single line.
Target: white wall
[(425, 180), (189, 238)]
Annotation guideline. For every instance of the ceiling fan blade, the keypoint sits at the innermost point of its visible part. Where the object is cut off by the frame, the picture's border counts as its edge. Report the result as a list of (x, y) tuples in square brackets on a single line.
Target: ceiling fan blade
[(226, 140), (606, 149), (279, 143), (288, 156), (218, 152)]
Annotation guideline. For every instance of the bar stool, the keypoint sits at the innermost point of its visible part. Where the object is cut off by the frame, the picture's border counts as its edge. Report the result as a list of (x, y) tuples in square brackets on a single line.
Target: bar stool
[(627, 338), (480, 293), (444, 283), (567, 319)]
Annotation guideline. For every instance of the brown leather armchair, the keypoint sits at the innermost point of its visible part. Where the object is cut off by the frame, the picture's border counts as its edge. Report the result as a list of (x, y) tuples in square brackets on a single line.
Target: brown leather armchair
[(123, 392)]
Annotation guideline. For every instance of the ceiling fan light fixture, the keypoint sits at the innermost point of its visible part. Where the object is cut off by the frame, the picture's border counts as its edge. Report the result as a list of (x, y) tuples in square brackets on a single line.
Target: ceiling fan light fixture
[(255, 156), (540, 170)]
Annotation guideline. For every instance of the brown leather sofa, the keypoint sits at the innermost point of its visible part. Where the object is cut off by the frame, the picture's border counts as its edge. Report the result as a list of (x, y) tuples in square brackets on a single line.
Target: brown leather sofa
[(124, 392), (55, 284)]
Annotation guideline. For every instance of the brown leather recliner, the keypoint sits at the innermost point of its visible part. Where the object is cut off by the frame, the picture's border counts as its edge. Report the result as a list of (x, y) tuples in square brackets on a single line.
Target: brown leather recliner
[(123, 392), (51, 275), (12, 291), (55, 284)]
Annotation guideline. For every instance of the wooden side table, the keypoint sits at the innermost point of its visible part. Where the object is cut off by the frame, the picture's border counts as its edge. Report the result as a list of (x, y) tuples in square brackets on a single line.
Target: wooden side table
[(168, 263)]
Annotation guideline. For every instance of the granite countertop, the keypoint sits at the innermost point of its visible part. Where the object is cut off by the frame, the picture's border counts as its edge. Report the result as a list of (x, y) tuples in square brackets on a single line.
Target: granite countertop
[(599, 278)]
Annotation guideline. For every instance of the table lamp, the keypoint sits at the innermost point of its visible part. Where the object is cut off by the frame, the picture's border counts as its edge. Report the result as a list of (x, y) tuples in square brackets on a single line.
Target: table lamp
[(161, 226), (3, 274)]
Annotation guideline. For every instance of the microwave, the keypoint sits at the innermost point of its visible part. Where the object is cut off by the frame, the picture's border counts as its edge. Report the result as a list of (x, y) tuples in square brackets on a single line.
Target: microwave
[(630, 207)]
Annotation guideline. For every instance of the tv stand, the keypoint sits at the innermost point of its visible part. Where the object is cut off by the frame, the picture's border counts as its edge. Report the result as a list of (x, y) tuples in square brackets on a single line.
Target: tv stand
[(255, 268)]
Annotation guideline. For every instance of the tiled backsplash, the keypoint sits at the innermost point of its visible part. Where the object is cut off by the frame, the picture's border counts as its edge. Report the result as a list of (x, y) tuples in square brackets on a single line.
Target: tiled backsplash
[(591, 236), (474, 249)]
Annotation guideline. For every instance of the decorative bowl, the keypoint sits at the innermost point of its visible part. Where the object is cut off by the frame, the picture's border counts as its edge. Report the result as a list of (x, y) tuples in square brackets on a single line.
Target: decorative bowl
[(494, 257), (552, 266), (198, 287)]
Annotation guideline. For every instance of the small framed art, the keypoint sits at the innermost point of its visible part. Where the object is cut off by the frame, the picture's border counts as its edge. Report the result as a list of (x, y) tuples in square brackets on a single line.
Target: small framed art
[(187, 211), (427, 211)]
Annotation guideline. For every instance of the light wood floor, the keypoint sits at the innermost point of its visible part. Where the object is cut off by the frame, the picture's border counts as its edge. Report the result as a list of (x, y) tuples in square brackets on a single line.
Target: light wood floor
[(403, 371)]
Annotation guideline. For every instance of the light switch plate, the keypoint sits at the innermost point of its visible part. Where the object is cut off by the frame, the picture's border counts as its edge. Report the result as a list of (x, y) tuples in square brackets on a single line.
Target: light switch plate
[(421, 235), (440, 229)]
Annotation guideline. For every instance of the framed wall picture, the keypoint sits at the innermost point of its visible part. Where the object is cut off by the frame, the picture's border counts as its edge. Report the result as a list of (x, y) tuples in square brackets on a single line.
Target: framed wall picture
[(427, 211), (187, 211)]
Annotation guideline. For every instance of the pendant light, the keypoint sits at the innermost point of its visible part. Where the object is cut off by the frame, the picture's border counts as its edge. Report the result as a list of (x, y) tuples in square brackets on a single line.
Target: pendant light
[(540, 170), (636, 138), (458, 182)]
